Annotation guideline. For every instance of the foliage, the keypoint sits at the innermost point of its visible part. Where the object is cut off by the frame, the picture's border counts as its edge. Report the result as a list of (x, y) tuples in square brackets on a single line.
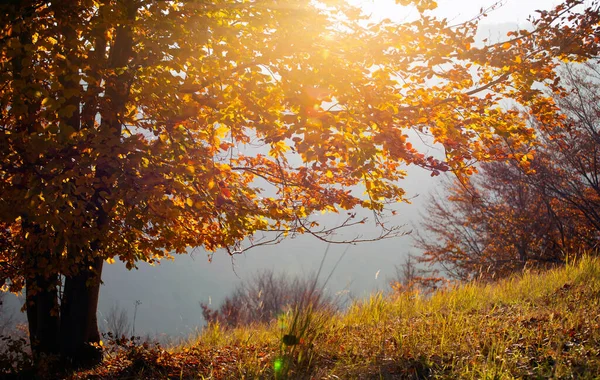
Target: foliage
[(490, 226), (533, 325), (568, 170), (128, 128)]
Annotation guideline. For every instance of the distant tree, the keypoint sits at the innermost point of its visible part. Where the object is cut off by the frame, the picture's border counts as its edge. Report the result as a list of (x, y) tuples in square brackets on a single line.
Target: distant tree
[(536, 207), (6, 318), (408, 271), (568, 167), (266, 295), (492, 225)]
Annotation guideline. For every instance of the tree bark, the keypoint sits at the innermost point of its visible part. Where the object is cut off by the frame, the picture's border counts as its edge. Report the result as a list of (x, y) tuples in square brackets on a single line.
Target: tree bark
[(79, 323), (42, 315)]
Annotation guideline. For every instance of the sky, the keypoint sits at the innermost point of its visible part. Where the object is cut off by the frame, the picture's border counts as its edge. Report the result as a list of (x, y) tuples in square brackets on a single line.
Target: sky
[(171, 292), (456, 11)]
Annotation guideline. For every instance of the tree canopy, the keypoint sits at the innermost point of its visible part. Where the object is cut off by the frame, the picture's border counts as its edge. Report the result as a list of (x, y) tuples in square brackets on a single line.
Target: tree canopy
[(132, 129)]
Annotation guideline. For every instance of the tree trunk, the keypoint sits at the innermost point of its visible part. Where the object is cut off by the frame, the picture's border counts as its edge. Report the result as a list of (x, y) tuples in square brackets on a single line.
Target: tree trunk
[(79, 323), (522, 249), (73, 334), (42, 315), (41, 296)]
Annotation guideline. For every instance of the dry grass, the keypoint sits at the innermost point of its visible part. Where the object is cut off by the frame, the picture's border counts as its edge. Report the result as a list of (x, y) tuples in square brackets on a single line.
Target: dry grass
[(536, 325)]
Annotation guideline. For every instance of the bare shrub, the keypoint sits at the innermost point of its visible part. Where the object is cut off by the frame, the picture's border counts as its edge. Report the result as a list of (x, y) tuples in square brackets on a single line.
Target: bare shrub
[(117, 322), (409, 277), (265, 296), (15, 353)]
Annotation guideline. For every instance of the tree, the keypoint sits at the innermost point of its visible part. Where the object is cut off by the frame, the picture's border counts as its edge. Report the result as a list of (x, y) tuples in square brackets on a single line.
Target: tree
[(496, 223), (569, 166), (6, 319), (510, 215), (128, 128)]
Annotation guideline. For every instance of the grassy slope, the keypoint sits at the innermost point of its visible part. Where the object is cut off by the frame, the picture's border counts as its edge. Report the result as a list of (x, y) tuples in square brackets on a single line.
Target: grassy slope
[(531, 326)]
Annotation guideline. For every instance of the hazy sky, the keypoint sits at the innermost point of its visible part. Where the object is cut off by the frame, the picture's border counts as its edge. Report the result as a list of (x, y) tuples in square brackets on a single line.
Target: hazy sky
[(170, 293), (513, 11)]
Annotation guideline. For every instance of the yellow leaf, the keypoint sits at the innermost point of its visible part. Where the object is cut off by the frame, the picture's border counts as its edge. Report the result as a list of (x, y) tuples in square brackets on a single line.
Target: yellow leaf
[(278, 149), (221, 131), (110, 260), (189, 202), (506, 46)]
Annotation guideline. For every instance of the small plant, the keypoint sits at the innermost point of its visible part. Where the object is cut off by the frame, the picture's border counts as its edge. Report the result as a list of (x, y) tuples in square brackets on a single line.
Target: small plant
[(307, 320), (117, 322)]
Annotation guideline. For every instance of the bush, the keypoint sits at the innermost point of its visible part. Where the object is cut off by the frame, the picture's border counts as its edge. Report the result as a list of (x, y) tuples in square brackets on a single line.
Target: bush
[(265, 296)]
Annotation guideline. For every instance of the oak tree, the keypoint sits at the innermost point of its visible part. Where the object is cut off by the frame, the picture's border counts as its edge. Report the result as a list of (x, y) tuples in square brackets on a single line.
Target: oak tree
[(129, 128)]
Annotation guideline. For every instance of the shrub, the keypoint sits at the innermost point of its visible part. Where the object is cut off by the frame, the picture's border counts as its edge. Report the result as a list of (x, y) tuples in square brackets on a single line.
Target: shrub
[(265, 296)]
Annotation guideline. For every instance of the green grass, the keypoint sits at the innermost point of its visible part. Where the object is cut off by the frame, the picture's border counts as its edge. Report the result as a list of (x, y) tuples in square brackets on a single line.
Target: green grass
[(535, 325)]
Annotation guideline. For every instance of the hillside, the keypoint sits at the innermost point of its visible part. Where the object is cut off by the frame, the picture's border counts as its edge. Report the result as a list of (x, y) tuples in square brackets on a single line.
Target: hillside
[(536, 325)]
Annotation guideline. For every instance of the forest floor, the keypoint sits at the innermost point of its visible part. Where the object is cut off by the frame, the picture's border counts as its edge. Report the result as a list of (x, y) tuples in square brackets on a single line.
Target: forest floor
[(534, 325)]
